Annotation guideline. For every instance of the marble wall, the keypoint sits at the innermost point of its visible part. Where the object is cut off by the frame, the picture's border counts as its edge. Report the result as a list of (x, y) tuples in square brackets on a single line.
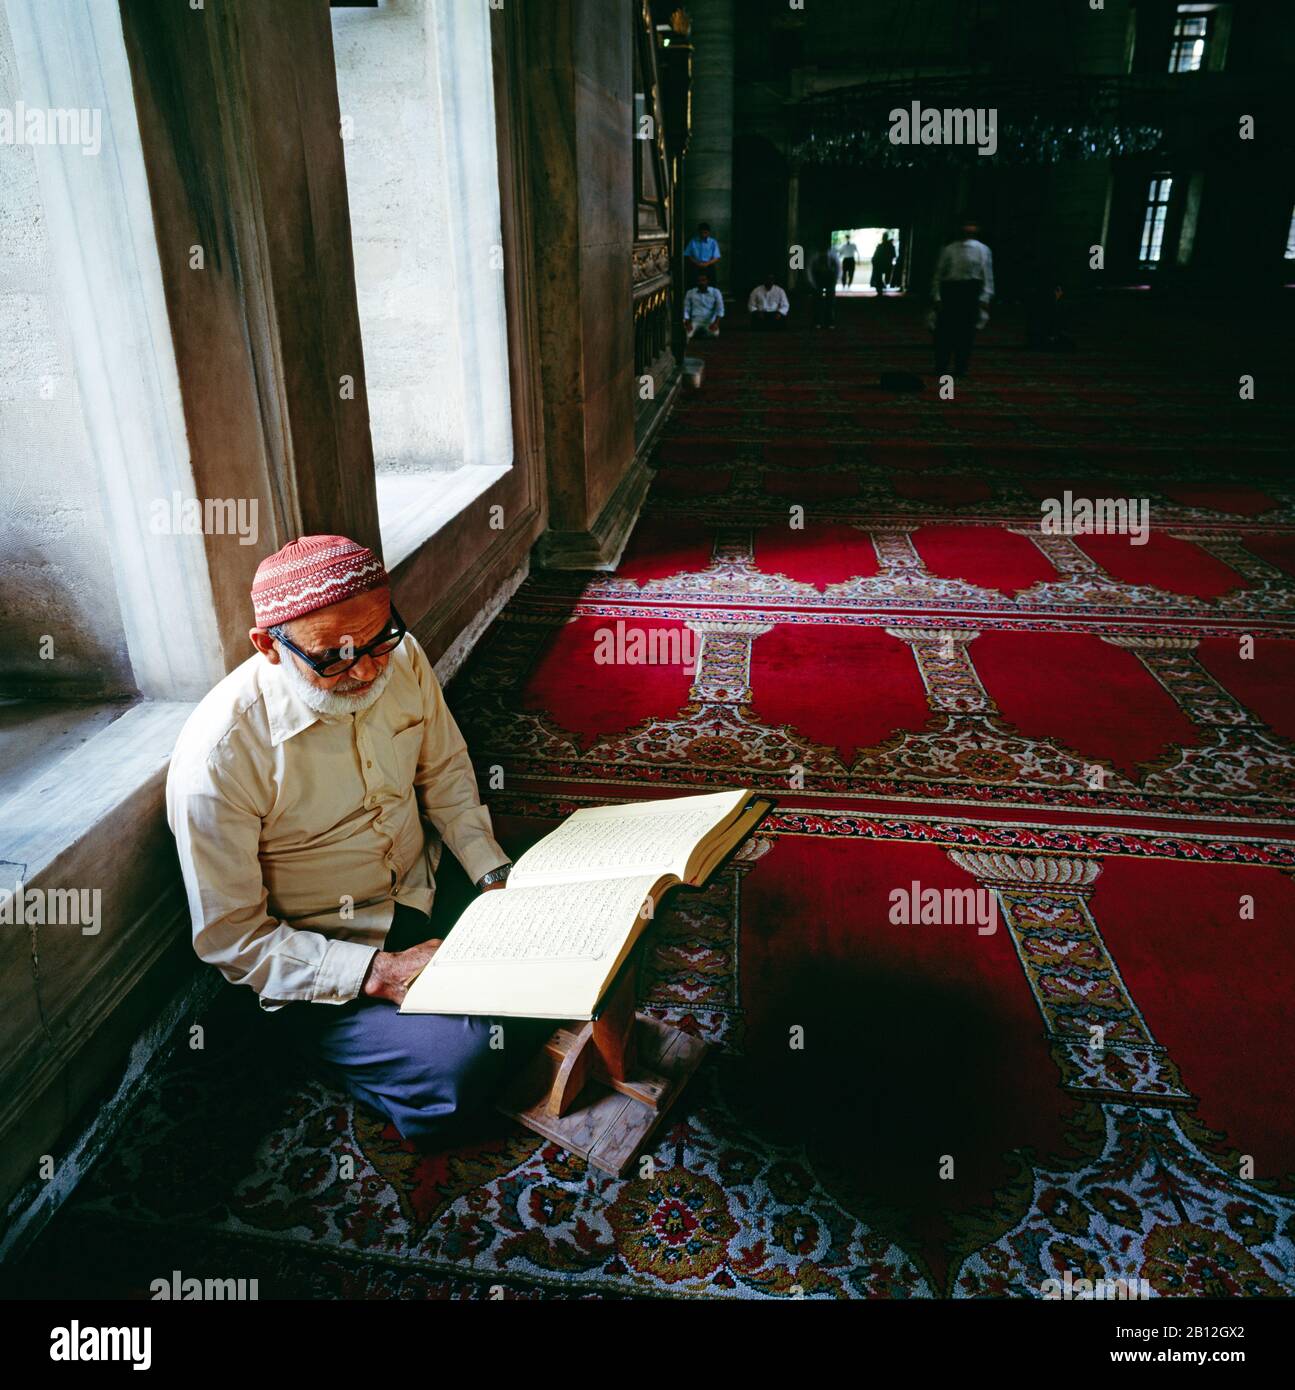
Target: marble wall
[(55, 569)]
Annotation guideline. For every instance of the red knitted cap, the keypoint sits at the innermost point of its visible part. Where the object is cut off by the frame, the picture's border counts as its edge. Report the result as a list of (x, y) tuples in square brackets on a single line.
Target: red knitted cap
[(313, 572)]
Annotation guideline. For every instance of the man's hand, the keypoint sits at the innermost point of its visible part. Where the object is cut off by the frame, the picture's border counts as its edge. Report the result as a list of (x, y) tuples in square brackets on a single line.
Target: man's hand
[(390, 973), (490, 887)]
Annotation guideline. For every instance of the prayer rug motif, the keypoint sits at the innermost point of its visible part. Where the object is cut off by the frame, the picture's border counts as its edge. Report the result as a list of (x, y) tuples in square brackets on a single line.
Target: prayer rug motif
[(1239, 767)]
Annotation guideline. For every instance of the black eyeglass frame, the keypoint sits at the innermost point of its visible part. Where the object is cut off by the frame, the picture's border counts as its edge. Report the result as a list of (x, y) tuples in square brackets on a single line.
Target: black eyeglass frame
[(320, 667)]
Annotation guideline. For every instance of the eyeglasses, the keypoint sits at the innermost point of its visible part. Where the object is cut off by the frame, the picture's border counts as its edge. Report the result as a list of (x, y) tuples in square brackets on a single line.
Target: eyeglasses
[(333, 663)]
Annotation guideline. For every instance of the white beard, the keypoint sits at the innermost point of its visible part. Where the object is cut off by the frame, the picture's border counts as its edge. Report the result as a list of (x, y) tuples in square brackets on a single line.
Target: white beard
[(331, 701)]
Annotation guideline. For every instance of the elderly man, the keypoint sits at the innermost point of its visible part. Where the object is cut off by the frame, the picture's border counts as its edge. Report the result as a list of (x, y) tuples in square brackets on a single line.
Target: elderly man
[(309, 794)]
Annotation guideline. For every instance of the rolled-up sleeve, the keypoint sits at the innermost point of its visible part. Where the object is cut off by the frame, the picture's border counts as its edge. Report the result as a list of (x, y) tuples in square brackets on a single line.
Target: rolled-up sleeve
[(217, 833), (446, 784)]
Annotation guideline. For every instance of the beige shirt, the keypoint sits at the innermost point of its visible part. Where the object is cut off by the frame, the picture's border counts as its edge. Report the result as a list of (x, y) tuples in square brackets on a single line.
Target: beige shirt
[(299, 832)]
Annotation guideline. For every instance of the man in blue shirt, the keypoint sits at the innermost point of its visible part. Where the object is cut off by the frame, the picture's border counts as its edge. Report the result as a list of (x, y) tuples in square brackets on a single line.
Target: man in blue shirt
[(702, 253), (703, 307)]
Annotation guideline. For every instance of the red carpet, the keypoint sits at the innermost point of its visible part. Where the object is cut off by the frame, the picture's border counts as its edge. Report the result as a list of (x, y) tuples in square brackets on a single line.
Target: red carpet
[(937, 695)]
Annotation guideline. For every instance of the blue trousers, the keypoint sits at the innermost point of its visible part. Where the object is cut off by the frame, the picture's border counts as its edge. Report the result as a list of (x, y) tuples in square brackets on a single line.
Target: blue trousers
[(430, 1074)]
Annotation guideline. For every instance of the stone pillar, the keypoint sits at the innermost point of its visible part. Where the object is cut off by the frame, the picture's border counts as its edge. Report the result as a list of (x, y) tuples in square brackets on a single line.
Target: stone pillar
[(579, 82), (239, 121), (708, 171), (1079, 213), (793, 221)]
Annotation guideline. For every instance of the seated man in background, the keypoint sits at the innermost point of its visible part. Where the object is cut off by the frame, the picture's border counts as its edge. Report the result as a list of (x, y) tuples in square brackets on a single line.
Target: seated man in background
[(768, 305), (309, 793), (703, 307)]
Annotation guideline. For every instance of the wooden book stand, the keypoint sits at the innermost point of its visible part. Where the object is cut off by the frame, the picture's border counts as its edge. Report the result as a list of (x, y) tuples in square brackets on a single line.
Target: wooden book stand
[(600, 1089)]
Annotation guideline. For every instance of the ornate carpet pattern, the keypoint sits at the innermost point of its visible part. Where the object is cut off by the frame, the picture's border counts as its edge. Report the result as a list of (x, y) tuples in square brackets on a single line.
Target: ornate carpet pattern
[(868, 625)]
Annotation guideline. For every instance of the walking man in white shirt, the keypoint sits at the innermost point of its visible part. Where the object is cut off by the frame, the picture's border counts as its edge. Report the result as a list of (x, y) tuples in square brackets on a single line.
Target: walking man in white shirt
[(961, 288), (310, 793), (703, 307), (768, 305), (849, 256)]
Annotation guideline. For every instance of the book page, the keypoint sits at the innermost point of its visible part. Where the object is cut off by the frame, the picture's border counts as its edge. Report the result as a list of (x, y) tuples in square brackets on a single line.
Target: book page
[(565, 924), (540, 952), (647, 837)]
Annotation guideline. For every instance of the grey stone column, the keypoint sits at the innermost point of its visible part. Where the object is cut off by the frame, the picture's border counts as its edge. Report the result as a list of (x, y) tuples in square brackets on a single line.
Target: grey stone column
[(793, 220), (708, 170)]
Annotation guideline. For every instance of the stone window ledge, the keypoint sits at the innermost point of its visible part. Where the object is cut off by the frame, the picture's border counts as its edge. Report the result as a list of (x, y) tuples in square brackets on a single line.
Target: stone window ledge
[(413, 507), (74, 802)]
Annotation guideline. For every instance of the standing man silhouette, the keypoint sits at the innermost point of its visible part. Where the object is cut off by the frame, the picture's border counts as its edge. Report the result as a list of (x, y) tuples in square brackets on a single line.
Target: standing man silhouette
[(961, 288), (824, 271), (702, 253), (883, 263)]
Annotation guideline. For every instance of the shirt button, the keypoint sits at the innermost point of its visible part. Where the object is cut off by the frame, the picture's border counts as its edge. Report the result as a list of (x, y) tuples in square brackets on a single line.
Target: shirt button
[(368, 763)]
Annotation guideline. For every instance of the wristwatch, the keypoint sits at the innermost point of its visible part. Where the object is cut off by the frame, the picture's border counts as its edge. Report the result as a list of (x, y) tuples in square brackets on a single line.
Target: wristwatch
[(494, 876)]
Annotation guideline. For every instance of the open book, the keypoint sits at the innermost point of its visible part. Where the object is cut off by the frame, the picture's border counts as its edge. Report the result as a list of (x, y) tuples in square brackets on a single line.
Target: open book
[(549, 944)]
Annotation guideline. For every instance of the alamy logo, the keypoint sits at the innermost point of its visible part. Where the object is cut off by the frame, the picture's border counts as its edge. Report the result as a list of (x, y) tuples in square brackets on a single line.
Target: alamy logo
[(206, 516), (1083, 516), (177, 1288), (635, 646), (1068, 1287), (52, 907), (35, 125), (77, 1343), (935, 125), (956, 907)]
